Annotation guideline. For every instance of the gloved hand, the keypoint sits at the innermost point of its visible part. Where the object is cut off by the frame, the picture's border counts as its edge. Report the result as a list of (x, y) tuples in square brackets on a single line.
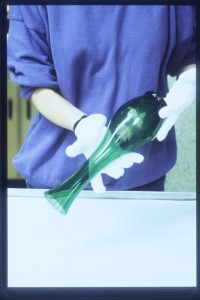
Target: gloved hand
[(179, 98), (90, 132)]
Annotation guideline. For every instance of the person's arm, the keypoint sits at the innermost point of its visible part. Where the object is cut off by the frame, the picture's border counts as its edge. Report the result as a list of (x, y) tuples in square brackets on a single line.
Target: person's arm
[(188, 68), (56, 108)]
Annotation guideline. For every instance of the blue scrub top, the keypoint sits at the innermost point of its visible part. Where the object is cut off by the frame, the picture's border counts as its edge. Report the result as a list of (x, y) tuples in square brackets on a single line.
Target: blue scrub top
[(97, 57)]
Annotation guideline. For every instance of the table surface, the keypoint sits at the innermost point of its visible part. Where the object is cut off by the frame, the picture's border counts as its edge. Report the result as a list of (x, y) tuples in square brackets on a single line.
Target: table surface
[(115, 239)]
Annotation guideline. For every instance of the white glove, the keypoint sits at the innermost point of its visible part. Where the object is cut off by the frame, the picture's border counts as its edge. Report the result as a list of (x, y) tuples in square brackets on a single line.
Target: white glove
[(90, 132), (179, 98)]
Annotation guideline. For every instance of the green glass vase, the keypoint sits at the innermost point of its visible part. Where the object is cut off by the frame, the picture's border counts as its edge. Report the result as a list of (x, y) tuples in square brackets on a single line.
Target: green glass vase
[(133, 125)]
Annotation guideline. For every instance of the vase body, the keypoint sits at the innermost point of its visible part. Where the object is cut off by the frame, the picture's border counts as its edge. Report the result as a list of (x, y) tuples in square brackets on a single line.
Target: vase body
[(133, 125)]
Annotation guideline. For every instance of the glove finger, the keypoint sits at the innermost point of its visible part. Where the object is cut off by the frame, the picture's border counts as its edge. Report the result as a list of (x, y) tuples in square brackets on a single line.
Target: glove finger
[(74, 149), (116, 168), (113, 171), (127, 160), (165, 128), (138, 158), (97, 184), (166, 111)]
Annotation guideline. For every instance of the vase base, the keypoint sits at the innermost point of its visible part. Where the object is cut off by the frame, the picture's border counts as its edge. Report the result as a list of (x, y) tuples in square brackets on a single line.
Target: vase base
[(56, 205)]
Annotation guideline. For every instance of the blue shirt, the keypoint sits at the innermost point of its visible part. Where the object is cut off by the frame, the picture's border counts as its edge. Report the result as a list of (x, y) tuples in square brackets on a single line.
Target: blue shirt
[(97, 57)]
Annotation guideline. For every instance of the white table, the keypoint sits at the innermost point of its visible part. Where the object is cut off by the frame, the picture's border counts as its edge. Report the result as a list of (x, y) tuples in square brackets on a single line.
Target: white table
[(116, 239)]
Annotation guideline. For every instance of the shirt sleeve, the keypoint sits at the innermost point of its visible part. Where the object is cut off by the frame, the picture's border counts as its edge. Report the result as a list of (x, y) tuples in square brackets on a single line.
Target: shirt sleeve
[(29, 55), (182, 33)]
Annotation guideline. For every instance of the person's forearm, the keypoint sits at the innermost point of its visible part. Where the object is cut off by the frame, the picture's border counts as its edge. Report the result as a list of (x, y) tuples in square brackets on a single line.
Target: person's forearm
[(187, 68), (56, 108)]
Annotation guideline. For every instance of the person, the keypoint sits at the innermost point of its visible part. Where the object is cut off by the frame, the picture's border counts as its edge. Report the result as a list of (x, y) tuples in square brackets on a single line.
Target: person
[(78, 64)]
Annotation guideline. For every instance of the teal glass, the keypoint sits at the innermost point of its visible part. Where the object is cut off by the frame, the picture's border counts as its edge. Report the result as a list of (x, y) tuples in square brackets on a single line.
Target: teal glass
[(133, 125)]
